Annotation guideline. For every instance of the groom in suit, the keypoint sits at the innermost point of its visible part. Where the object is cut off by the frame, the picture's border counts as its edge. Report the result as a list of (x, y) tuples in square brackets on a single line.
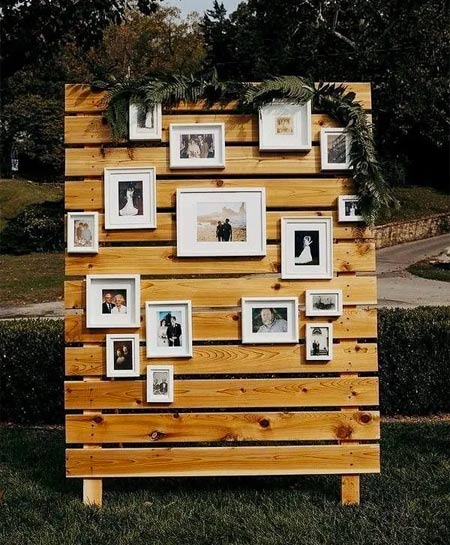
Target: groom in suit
[(174, 332), (108, 305)]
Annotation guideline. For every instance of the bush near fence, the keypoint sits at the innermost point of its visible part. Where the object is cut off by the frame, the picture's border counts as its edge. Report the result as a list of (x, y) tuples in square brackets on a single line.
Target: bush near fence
[(414, 358)]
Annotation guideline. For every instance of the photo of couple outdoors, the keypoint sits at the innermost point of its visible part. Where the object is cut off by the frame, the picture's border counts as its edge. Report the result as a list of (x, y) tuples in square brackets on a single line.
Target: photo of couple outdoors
[(169, 331), (114, 302), (83, 234), (221, 222), (197, 146), (269, 320)]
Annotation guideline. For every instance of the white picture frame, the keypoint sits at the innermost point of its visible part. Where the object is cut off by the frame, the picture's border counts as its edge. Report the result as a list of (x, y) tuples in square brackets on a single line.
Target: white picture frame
[(122, 355), (285, 126), (130, 197), (269, 320), (160, 384), (113, 301), (168, 329), (319, 341), (326, 302), (197, 145), (203, 229), (82, 232), (335, 149), (306, 247), (349, 209), (145, 125)]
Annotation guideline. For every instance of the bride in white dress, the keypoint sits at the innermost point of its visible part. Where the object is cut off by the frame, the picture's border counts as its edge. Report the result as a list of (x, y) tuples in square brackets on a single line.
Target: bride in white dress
[(129, 209), (305, 256)]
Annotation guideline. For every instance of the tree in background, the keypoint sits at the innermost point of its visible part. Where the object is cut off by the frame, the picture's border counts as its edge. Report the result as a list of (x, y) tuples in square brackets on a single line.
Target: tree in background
[(401, 47)]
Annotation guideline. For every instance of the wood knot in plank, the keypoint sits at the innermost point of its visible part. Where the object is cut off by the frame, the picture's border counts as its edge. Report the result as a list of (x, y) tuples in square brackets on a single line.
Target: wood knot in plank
[(156, 435), (138, 401), (264, 423), (304, 390), (344, 432), (365, 418), (97, 419), (277, 286), (235, 317), (176, 415), (219, 183)]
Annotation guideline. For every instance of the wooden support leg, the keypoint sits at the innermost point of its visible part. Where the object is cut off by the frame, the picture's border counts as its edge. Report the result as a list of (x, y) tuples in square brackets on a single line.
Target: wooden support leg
[(92, 492), (350, 489)]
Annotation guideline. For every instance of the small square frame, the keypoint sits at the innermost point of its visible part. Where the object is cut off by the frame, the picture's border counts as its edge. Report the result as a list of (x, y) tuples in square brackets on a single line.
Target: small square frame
[(111, 363), (310, 327), (126, 217), (153, 122), (293, 266), (249, 307), (159, 346), (188, 244), (309, 301), (152, 396), (343, 212), (285, 126), (99, 286), (184, 132), (326, 164), (74, 243)]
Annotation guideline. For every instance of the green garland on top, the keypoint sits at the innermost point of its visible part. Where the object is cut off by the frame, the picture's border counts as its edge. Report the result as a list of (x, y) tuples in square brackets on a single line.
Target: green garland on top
[(373, 192)]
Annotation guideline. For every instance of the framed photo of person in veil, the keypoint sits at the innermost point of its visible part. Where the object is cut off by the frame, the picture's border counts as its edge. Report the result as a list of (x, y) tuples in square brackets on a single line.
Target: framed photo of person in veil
[(306, 247)]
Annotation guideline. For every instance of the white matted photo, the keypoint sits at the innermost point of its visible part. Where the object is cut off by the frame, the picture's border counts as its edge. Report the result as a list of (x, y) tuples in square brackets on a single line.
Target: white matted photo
[(169, 329), (145, 123), (323, 302), (285, 126), (113, 300), (319, 342), (130, 198), (82, 232), (307, 247), (159, 384), (122, 355), (221, 222), (269, 320), (335, 149), (349, 208), (197, 145)]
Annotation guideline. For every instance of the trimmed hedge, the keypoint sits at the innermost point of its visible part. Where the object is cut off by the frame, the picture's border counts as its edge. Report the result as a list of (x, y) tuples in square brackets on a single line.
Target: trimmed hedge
[(32, 371), (414, 360)]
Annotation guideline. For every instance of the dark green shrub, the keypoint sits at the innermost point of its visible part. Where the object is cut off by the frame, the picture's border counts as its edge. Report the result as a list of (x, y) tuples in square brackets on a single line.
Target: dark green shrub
[(414, 359), (31, 371), (39, 228)]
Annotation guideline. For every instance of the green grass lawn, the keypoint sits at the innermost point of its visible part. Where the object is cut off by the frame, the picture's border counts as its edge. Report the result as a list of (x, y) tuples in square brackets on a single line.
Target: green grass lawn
[(408, 504), (426, 270), (16, 195), (31, 278), (416, 202)]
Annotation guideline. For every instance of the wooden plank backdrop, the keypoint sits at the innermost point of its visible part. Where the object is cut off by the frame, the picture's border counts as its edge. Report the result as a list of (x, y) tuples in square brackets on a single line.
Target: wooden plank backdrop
[(227, 394)]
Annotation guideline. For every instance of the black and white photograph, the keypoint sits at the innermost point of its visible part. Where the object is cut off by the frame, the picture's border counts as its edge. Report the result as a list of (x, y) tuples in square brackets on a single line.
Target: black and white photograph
[(159, 383), (221, 222), (323, 302), (349, 208), (334, 149), (197, 145), (122, 355), (130, 198), (306, 247), (145, 123), (169, 329), (269, 320), (112, 300), (82, 232), (319, 342), (285, 126)]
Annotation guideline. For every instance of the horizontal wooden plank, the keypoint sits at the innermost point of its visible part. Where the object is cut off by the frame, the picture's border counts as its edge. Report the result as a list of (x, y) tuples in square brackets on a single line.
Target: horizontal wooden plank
[(223, 461), (167, 228), (92, 129), (227, 393), (226, 326), (162, 260), (348, 356), (190, 427), (239, 160), (203, 292), (80, 99), (280, 193)]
